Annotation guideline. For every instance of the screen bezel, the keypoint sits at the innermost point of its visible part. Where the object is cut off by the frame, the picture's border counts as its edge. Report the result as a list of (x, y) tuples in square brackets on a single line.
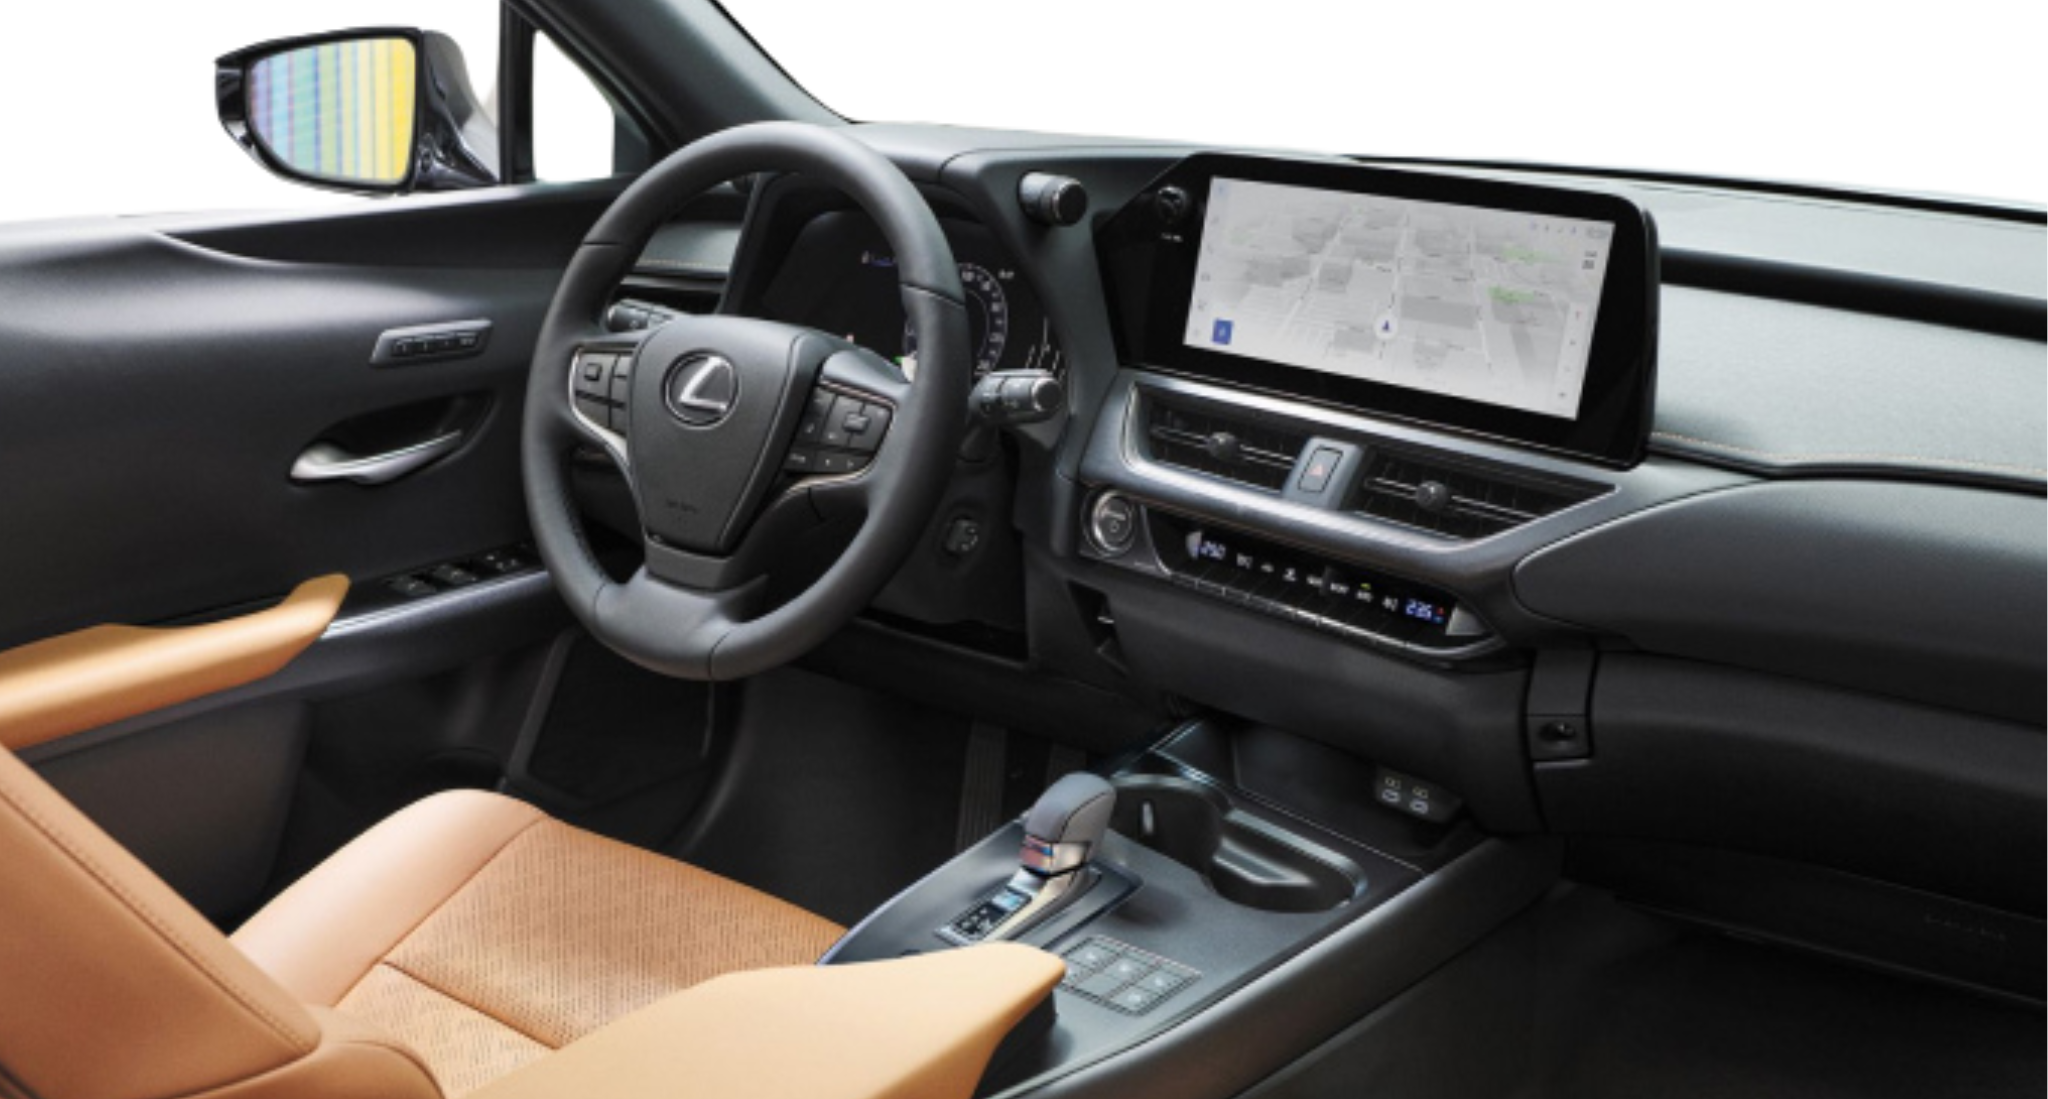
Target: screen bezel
[(1612, 426)]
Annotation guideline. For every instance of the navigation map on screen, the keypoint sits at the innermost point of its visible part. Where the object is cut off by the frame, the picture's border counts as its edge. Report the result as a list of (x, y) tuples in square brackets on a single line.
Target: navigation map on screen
[(1481, 304)]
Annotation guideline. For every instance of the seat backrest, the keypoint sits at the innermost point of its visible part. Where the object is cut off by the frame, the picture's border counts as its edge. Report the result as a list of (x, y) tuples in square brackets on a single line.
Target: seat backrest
[(112, 987)]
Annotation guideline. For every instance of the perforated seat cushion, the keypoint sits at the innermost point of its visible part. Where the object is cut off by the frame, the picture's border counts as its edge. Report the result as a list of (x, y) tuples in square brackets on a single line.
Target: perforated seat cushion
[(499, 934)]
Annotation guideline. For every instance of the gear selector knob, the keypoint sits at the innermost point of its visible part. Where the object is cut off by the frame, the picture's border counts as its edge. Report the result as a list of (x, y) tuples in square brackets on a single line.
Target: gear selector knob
[(1065, 826), (1061, 833)]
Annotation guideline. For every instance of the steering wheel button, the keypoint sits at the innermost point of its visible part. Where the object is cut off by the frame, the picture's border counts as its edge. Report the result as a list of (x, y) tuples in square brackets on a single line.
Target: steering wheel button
[(836, 434), (801, 460), (839, 461)]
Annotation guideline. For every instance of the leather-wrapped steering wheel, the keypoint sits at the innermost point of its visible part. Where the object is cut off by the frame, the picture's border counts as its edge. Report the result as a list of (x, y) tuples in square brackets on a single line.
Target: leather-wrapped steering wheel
[(702, 415)]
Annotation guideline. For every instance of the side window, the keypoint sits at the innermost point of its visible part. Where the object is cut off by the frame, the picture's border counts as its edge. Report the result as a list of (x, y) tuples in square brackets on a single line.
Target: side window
[(575, 130)]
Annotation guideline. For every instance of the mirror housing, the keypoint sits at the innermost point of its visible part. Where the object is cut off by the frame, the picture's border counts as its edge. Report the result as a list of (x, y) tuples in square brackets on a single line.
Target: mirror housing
[(379, 111)]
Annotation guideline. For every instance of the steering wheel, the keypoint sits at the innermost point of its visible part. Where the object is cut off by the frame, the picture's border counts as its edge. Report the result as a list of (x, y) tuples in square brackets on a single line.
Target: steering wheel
[(740, 436)]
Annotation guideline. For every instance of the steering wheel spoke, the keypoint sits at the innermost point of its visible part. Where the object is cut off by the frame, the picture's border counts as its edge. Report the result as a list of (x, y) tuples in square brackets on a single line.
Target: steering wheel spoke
[(599, 387)]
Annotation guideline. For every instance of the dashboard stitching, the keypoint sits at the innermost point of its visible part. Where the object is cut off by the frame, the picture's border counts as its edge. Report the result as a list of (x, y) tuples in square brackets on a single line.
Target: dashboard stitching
[(1778, 456)]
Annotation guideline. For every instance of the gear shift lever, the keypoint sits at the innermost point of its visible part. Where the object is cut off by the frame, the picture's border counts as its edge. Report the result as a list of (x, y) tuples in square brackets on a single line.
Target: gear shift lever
[(1061, 833), (1066, 824)]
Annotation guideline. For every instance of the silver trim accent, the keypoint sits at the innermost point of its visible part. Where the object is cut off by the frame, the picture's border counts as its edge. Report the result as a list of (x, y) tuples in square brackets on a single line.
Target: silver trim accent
[(686, 401), (325, 461), (491, 590), (1347, 523), (808, 481), (1102, 541), (613, 443), (1048, 895)]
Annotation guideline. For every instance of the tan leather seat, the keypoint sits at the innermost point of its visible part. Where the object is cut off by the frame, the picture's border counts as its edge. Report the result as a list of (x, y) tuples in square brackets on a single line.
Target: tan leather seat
[(458, 940), (484, 933), (449, 946)]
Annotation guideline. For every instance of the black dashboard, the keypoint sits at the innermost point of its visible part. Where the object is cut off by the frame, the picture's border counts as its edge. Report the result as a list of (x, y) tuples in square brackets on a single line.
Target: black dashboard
[(1530, 620)]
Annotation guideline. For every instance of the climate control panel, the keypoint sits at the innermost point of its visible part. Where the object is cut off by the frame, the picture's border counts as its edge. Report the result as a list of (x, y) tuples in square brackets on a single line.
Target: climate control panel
[(1353, 602)]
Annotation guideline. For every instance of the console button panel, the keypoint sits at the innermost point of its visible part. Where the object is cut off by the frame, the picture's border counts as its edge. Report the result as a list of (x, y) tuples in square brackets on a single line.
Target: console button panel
[(1119, 975), (447, 576)]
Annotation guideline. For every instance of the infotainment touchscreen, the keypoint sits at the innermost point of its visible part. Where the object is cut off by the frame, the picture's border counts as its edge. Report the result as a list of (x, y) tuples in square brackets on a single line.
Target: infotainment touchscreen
[(1495, 306)]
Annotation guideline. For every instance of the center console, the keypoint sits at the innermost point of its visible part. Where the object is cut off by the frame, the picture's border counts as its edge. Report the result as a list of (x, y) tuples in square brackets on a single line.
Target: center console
[(1230, 849)]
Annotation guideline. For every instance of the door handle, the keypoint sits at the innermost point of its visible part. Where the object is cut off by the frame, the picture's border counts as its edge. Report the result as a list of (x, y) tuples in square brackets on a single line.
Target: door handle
[(324, 461)]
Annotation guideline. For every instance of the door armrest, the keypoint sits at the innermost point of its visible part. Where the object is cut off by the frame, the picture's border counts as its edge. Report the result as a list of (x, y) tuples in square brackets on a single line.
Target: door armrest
[(83, 680)]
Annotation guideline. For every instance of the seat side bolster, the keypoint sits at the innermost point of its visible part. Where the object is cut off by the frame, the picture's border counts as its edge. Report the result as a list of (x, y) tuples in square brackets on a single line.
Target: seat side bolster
[(911, 1028), (110, 984), (324, 933)]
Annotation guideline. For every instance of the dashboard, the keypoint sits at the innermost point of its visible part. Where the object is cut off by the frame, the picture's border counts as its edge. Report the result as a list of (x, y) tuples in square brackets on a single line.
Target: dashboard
[(1754, 559)]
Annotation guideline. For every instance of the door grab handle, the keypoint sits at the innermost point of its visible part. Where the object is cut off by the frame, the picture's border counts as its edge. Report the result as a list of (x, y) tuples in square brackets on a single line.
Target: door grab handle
[(324, 461)]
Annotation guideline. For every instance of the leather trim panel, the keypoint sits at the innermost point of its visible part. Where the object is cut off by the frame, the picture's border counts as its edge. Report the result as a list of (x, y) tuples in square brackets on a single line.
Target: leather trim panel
[(115, 987), (91, 677), (911, 1028)]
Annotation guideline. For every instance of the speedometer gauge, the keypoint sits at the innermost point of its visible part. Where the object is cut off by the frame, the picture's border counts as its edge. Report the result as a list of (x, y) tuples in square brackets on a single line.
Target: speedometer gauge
[(988, 318)]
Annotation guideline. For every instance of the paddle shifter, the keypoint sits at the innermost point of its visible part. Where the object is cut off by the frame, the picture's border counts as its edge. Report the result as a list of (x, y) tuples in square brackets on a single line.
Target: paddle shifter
[(1061, 832)]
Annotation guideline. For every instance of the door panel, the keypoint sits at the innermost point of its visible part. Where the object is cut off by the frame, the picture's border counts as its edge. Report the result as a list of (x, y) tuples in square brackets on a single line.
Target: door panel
[(158, 380), (155, 395)]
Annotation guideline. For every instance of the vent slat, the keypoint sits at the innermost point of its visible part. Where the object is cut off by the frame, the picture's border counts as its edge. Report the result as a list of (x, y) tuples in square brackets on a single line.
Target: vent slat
[(1482, 503), (1264, 456)]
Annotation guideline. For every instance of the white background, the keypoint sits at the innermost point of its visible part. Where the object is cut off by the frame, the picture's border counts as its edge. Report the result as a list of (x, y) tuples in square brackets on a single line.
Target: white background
[(1944, 97), (106, 108)]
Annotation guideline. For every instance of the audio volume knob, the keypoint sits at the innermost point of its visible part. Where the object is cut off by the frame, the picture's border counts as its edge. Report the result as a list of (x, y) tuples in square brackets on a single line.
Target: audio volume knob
[(1171, 205)]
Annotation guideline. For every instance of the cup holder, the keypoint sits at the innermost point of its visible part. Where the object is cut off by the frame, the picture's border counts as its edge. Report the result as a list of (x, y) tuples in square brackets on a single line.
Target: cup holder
[(1247, 860)]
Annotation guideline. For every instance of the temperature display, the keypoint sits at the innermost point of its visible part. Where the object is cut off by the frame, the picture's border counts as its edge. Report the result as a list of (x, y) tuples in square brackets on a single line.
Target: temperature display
[(1432, 613)]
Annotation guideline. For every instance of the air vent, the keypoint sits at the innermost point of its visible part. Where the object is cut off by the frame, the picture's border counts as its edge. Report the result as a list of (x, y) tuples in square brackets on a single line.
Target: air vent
[(1234, 446), (1457, 500)]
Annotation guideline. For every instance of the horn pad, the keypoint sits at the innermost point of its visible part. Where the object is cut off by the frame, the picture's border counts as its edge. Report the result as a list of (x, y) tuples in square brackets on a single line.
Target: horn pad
[(714, 403)]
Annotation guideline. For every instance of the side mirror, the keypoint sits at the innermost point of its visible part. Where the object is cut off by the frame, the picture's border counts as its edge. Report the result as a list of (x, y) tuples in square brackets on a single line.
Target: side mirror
[(385, 111)]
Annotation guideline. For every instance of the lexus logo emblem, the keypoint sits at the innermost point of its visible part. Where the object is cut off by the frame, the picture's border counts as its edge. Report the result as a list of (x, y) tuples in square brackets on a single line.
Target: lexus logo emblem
[(702, 389)]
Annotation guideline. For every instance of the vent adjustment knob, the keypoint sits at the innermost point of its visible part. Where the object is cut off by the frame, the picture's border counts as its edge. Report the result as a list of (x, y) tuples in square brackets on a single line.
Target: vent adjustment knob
[(1223, 446), (1433, 496)]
